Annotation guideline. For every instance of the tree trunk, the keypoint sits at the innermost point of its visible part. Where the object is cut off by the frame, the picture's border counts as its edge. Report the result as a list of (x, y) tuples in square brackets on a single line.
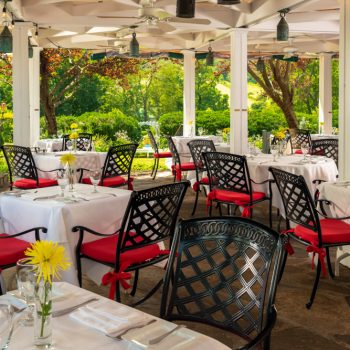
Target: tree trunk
[(291, 118)]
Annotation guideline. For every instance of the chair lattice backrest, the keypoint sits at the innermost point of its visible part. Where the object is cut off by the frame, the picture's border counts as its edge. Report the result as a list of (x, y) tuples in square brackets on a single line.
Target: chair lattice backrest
[(151, 216), (227, 172), (119, 160), (173, 151), (223, 275), (80, 141), (153, 141), (20, 162), (197, 148), (297, 200), (325, 147), (298, 137)]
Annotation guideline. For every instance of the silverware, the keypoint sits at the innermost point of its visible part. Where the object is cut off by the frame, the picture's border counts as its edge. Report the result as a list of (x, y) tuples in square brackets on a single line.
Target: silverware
[(119, 336), (79, 197), (45, 197), (59, 313), (163, 336)]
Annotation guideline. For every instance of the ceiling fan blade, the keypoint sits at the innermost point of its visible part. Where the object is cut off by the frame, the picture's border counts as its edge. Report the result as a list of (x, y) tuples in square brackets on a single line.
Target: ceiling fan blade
[(166, 27), (203, 21)]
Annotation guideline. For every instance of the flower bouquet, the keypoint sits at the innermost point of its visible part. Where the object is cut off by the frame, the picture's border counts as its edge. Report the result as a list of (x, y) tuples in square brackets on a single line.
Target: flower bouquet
[(68, 161), (48, 259)]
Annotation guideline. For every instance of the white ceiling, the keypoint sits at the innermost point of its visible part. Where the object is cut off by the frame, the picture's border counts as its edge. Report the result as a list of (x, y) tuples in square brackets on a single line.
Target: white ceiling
[(104, 24)]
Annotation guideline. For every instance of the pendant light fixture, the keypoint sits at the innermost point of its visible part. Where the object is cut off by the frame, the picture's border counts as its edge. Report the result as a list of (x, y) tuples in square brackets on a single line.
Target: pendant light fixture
[(229, 2), (134, 45), (5, 35), (260, 65), (210, 55), (185, 8), (282, 26)]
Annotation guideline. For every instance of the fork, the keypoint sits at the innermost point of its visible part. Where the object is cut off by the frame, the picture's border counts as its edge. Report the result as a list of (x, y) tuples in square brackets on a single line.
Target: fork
[(163, 336), (59, 313), (119, 336)]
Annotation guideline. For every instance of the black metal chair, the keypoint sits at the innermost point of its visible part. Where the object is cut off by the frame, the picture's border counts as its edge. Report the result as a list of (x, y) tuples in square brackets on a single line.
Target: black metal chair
[(297, 137), (197, 148), (12, 249), (83, 136), (149, 219), (325, 147), (223, 272), (177, 166), (318, 235), (118, 162), (20, 163), (156, 155), (230, 183)]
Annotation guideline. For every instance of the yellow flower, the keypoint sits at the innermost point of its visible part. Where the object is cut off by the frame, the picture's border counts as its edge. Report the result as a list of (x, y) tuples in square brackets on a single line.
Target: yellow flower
[(74, 126), (190, 122), (50, 259), (280, 135), (226, 130), (73, 135), (68, 158)]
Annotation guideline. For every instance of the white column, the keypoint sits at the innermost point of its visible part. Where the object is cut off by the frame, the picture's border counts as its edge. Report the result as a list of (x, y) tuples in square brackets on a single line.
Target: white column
[(325, 92), (21, 88), (239, 92), (344, 90), (189, 108), (34, 83)]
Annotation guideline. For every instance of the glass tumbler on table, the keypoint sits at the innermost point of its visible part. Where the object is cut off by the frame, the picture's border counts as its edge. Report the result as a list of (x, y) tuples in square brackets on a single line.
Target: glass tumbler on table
[(26, 278), (6, 319), (95, 177), (69, 145), (305, 150), (62, 180), (274, 151)]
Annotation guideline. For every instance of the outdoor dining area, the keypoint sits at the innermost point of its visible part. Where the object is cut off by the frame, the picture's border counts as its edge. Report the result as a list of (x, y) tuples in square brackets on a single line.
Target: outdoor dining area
[(224, 239)]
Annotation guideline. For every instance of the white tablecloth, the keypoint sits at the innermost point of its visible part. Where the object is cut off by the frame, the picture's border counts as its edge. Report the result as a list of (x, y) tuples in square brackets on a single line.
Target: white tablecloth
[(339, 195), (103, 215), (70, 334), (50, 161), (323, 136), (54, 144)]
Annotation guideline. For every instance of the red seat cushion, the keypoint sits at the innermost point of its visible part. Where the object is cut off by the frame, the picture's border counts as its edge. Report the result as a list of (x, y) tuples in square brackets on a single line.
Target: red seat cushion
[(114, 181), (28, 183), (105, 250), (162, 155), (11, 250), (298, 151), (235, 197), (202, 181), (186, 166), (333, 231)]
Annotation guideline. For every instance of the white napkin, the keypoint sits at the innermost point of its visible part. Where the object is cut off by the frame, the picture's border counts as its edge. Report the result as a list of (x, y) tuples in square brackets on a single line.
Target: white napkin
[(107, 319), (92, 195), (49, 191)]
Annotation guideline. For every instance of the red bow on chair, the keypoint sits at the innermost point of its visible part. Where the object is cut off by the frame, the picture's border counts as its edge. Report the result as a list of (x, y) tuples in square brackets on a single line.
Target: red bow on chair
[(112, 278), (287, 246), (321, 255)]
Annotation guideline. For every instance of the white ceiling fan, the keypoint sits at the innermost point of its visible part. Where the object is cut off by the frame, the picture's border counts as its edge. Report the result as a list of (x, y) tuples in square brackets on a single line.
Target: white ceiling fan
[(156, 16)]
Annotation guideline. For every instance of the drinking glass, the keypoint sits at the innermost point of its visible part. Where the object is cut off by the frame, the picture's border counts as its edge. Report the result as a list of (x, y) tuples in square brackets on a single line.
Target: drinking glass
[(6, 319), (62, 180), (95, 176), (305, 150), (86, 144), (26, 278), (69, 145), (274, 152), (200, 131)]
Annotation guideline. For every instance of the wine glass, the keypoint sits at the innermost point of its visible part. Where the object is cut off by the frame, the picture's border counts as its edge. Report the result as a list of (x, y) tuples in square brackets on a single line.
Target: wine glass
[(274, 151), (6, 319), (200, 131), (86, 144), (26, 278), (304, 150), (95, 176), (62, 180), (69, 145)]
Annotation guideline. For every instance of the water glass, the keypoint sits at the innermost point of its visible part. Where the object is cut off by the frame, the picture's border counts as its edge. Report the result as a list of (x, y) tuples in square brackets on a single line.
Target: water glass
[(6, 319), (95, 177), (26, 279), (274, 151), (69, 145), (86, 144), (305, 150), (62, 180)]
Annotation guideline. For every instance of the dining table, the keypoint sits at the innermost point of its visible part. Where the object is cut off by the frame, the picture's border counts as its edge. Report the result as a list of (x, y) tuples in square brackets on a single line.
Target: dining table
[(46, 207), (338, 193), (54, 145), (86, 327)]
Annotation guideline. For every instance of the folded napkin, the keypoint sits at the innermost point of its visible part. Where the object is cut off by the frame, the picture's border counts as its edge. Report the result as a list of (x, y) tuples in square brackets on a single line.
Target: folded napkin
[(92, 195), (42, 193), (109, 317)]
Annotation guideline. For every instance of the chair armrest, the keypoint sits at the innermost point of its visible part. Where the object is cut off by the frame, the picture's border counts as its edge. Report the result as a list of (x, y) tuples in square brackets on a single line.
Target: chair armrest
[(49, 171), (35, 229), (264, 333), (82, 229), (323, 212), (264, 182), (318, 181)]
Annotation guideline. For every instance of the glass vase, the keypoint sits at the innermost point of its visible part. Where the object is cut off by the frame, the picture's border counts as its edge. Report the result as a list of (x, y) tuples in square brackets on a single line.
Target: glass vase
[(70, 174), (43, 315), (74, 145)]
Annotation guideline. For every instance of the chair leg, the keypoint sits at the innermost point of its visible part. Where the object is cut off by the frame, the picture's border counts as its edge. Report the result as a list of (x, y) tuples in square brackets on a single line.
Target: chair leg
[(220, 211), (157, 166), (134, 287), (329, 264), (283, 265), (80, 278), (270, 213), (314, 289), (153, 168), (2, 285), (150, 293), (117, 292), (195, 203)]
